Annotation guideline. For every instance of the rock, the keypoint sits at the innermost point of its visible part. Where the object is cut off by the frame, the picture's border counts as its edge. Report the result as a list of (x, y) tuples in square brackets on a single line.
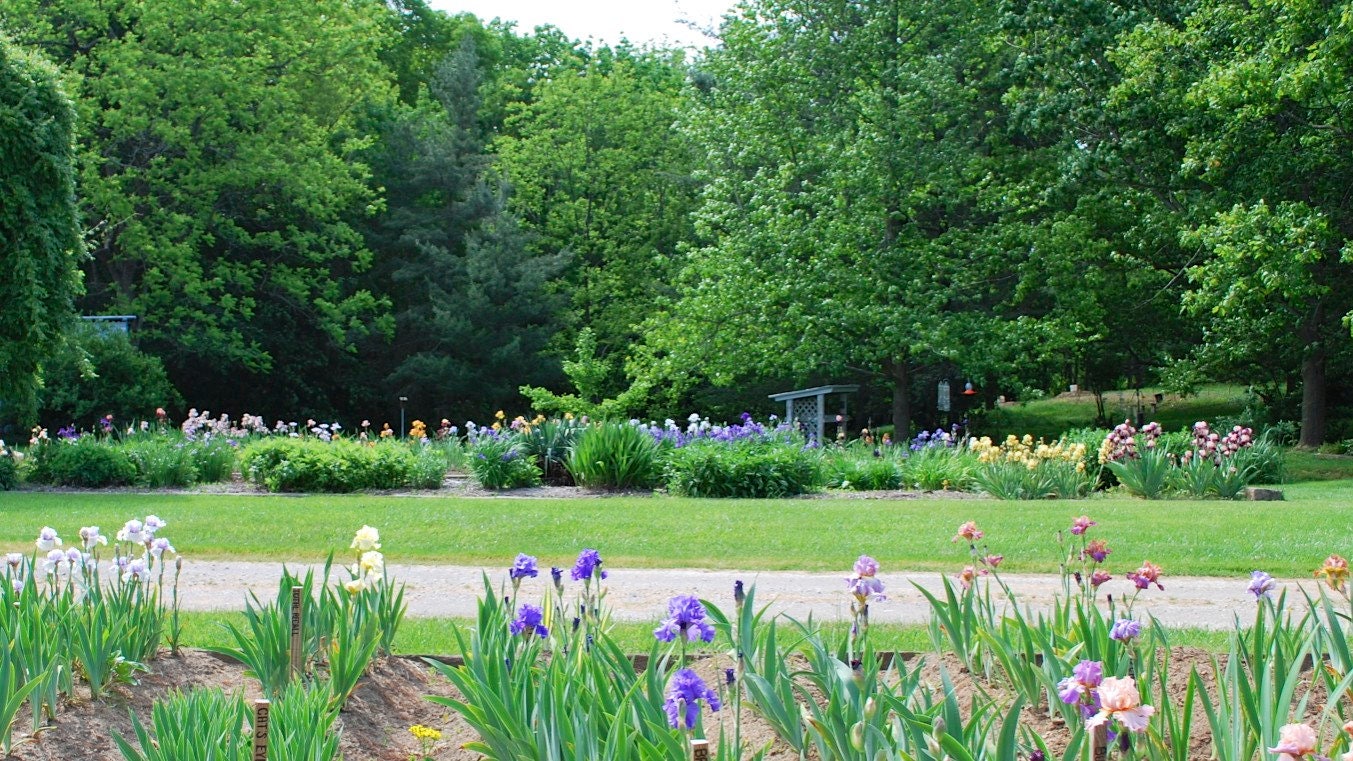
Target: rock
[(1260, 494)]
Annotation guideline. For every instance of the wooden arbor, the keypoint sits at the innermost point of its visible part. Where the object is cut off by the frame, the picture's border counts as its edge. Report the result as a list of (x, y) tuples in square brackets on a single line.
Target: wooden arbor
[(809, 406)]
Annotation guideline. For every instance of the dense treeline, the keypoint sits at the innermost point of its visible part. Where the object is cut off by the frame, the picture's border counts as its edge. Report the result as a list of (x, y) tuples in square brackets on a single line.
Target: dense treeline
[(317, 208)]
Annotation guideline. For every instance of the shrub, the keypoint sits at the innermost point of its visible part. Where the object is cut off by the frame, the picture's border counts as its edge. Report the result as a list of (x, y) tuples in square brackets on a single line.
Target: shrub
[(497, 462), (745, 469), (9, 469), (336, 466), (86, 461), (614, 456), (101, 373)]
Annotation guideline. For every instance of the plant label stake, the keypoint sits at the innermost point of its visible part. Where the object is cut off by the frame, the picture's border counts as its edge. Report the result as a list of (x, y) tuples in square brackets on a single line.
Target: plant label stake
[(699, 750), (1099, 743), (261, 708), (296, 629)]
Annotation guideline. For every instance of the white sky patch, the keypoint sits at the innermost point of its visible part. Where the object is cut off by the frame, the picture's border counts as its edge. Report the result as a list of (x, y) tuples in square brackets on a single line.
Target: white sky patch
[(672, 23)]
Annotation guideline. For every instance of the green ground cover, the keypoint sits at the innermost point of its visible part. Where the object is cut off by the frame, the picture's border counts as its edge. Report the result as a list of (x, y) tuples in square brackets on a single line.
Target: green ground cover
[(436, 636), (1186, 537), (1049, 418)]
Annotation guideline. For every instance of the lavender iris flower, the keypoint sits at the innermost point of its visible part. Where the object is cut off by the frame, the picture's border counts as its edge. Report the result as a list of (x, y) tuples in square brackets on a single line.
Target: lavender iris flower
[(1262, 585), (685, 617), (528, 621), (1125, 630), (684, 694)]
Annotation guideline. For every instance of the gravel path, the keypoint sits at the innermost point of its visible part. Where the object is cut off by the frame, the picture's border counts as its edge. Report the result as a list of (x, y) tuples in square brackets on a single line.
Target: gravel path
[(642, 594)]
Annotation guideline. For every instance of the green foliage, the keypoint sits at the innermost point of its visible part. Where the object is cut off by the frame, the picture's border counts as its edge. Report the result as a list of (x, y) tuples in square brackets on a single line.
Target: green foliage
[(161, 461), (39, 223), (742, 469), (588, 374), (199, 725), (428, 469), (549, 442), (98, 373), (498, 462), (9, 469), (1147, 475), (341, 465), (88, 461), (220, 175), (939, 468), (859, 471), (615, 456)]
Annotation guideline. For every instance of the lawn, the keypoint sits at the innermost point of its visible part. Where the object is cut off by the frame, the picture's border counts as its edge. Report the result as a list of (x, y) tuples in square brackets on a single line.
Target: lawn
[(436, 636), (1049, 418), (1209, 538)]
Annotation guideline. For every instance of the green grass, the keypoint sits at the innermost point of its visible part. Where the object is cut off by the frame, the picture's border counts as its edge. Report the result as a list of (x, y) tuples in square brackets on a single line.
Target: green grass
[(1049, 418), (435, 636), (1208, 538), (1310, 466)]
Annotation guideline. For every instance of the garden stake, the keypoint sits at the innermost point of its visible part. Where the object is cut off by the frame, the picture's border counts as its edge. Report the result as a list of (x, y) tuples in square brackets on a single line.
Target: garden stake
[(699, 750), (296, 629), (1099, 743), (261, 708)]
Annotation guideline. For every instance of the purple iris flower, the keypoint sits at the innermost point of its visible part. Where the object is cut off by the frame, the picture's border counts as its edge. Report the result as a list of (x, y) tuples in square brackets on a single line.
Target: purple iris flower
[(684, 694), (528, 621), (523, 568), (589, 564), (1125, 630), (685, 617), (1262, 585)]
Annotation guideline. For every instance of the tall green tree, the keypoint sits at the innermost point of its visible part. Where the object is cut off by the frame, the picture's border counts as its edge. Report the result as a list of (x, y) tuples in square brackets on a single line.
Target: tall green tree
[(597, 168), (471, 304), (1257, 94), (220, 177), (39, 225), (849, 214)]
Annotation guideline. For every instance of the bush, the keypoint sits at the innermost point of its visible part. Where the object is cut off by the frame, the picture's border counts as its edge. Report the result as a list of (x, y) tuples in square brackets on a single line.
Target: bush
[(290, 465), (614, 456), (125, 382), (9, 470), (497, 462), (745, 469), (87, 462)]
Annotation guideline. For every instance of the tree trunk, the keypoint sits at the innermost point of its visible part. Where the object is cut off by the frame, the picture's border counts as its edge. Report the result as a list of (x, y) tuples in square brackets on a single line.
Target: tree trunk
[(1313, 398), (900, 374)]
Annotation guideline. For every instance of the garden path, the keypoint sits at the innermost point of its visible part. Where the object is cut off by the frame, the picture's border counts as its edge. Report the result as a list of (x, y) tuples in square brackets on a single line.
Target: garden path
[(641, 594)]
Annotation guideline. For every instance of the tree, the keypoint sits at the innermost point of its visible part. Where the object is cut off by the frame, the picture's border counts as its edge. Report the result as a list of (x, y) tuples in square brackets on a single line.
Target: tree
[(471, 304), (220, 178), (39, 226), (849, 219), (596, 168), (1257, 94)]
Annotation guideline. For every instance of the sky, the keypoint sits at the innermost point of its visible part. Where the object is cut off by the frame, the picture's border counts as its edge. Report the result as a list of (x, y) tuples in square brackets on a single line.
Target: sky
[(641, 21)]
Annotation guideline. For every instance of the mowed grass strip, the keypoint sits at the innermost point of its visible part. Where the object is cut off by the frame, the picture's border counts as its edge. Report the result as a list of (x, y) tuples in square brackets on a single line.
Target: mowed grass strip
[(436, 636), (1203, 538)]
